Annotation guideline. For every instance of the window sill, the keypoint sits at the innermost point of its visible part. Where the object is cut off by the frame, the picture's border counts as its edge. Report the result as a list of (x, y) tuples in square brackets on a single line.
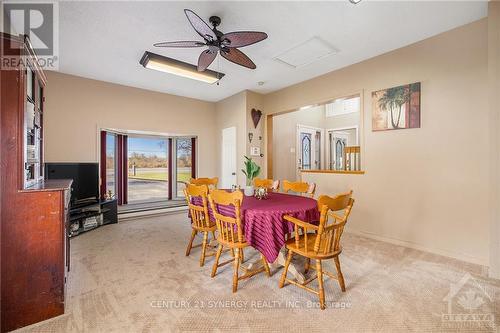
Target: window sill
[(335, 171)]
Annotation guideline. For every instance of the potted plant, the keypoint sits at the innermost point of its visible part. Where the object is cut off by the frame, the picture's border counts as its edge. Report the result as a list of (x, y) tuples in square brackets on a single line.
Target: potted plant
[(251, 171)]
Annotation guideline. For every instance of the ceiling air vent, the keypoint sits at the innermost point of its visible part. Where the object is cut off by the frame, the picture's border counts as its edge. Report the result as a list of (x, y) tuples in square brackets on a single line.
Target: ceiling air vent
[(307, 52)]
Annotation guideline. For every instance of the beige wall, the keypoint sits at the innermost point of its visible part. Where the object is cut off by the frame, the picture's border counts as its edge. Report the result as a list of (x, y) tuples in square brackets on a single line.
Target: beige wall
[(236, 111), (424, 187), (77, 108), (342, 121), (256, 101), (494, 99), (232, 112)]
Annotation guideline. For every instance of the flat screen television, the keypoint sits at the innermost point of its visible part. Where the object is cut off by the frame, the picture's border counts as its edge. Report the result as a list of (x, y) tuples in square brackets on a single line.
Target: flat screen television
[(85, 187)]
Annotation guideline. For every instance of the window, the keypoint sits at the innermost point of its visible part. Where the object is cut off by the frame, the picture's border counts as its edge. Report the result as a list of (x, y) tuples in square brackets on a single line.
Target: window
[(305, 145), (141, 169), (342, 106), (318, 148), (339, 145), (147, 169)]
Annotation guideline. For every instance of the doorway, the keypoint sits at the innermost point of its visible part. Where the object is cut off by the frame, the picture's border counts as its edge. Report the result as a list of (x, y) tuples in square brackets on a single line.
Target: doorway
[(228, 170), (338, 140), (308, 150)]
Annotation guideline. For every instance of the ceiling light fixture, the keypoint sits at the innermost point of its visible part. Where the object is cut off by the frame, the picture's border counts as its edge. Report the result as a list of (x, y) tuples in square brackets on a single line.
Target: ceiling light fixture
[(172, 66), (355, 1)]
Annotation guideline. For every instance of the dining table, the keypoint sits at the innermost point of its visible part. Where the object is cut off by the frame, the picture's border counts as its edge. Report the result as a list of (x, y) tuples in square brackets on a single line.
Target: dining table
[(262, 221)]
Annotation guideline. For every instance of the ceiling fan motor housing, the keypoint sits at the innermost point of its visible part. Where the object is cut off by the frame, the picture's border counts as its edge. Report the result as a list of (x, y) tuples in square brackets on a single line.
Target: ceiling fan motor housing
[(215, 20)]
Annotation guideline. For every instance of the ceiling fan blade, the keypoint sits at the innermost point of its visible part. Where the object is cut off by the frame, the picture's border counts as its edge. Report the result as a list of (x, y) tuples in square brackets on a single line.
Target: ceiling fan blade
[(242, 38), (234, 55), (205, 59), (185, 43), (202, 28)]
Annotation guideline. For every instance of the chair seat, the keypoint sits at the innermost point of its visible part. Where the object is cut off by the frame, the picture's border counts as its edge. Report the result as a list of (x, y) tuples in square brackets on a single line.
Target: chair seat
[(311, 240)]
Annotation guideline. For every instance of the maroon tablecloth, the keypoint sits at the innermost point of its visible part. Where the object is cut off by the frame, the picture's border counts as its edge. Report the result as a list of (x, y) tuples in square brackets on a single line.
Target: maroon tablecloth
[(263, 223)]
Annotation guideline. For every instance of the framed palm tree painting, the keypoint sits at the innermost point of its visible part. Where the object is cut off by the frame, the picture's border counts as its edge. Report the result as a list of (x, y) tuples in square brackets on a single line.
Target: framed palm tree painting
[(396, 108)]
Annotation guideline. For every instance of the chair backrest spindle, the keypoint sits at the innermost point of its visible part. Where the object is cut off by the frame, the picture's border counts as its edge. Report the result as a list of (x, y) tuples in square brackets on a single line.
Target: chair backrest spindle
[(198, 212), (329, 234), (229, 227)]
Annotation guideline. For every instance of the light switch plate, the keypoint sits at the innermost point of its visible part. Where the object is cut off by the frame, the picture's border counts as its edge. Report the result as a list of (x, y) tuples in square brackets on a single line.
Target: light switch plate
[(255, 151)]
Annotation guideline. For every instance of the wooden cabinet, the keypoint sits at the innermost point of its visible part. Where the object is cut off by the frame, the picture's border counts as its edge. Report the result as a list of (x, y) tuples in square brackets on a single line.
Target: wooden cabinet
[(34, 246)]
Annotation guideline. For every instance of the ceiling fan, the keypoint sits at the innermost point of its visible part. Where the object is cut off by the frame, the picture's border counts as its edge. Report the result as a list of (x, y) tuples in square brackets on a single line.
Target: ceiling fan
[(227, 44)]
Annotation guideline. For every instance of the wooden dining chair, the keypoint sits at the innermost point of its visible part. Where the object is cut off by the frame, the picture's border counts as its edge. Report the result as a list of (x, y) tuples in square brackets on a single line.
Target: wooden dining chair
[(210, 182), (270, 184), (200, 220), (322, 245), (301, 188), (230, 234)]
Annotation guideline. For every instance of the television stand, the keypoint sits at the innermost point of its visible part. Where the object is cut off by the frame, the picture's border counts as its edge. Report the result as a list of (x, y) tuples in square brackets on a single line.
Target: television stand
[(88, 217), (83, 203)]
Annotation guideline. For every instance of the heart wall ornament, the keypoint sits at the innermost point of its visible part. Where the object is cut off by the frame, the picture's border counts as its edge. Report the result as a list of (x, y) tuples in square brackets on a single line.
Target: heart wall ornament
[(256, 114)]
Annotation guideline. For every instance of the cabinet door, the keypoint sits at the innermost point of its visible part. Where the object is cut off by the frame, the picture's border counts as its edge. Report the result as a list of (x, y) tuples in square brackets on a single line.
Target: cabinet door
[(66, 230)]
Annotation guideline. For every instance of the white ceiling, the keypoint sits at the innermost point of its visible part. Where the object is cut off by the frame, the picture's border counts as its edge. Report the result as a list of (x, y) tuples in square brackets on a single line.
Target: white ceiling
[(105, 40)]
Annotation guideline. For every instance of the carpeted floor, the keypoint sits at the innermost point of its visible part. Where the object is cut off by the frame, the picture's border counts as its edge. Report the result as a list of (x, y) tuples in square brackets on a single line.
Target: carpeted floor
[(134, 277)]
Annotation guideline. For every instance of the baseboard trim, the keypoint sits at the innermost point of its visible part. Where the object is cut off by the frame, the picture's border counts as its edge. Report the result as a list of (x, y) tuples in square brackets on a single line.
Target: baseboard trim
[(415, 246), (151, 213)]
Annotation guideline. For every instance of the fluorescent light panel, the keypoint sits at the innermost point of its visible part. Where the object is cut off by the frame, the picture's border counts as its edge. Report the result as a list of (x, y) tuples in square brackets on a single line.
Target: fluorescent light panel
[(177, 67)]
